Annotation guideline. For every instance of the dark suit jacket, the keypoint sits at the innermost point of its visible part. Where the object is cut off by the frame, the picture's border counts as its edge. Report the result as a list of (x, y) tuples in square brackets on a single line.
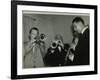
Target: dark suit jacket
[(82, 49), (57, 58)]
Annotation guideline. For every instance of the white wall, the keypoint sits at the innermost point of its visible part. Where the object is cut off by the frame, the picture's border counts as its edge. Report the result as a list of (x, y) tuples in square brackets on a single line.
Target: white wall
[(5, 41)]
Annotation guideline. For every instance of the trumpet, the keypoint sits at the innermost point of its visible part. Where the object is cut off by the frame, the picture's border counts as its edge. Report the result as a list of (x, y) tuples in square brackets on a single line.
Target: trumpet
[(55, 43), (41, 38)]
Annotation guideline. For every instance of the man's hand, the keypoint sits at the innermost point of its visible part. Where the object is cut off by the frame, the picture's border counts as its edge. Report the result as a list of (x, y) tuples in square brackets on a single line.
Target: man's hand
[(71, 56), (72, 46), (61, 44)]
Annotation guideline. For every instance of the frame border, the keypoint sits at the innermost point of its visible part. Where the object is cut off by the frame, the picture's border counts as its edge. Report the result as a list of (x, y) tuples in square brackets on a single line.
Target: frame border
[(14, 38)]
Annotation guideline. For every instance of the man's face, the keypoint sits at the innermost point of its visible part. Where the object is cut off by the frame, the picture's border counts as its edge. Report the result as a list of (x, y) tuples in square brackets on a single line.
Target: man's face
[(77, 26), (34, 33)]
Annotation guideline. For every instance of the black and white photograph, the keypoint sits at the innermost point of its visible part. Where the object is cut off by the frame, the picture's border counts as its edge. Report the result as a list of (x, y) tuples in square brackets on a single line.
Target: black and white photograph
[(53, 39)]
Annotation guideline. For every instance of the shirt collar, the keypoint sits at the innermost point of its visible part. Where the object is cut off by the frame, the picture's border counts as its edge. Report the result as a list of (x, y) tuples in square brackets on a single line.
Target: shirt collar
[(84, 29)]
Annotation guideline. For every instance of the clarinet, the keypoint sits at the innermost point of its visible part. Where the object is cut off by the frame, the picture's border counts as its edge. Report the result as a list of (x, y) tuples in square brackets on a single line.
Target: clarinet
[(68, 53)]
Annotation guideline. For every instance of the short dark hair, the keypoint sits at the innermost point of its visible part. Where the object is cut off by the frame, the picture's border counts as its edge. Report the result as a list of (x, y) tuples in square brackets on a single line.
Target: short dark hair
[(33, 28), (78, 19)]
